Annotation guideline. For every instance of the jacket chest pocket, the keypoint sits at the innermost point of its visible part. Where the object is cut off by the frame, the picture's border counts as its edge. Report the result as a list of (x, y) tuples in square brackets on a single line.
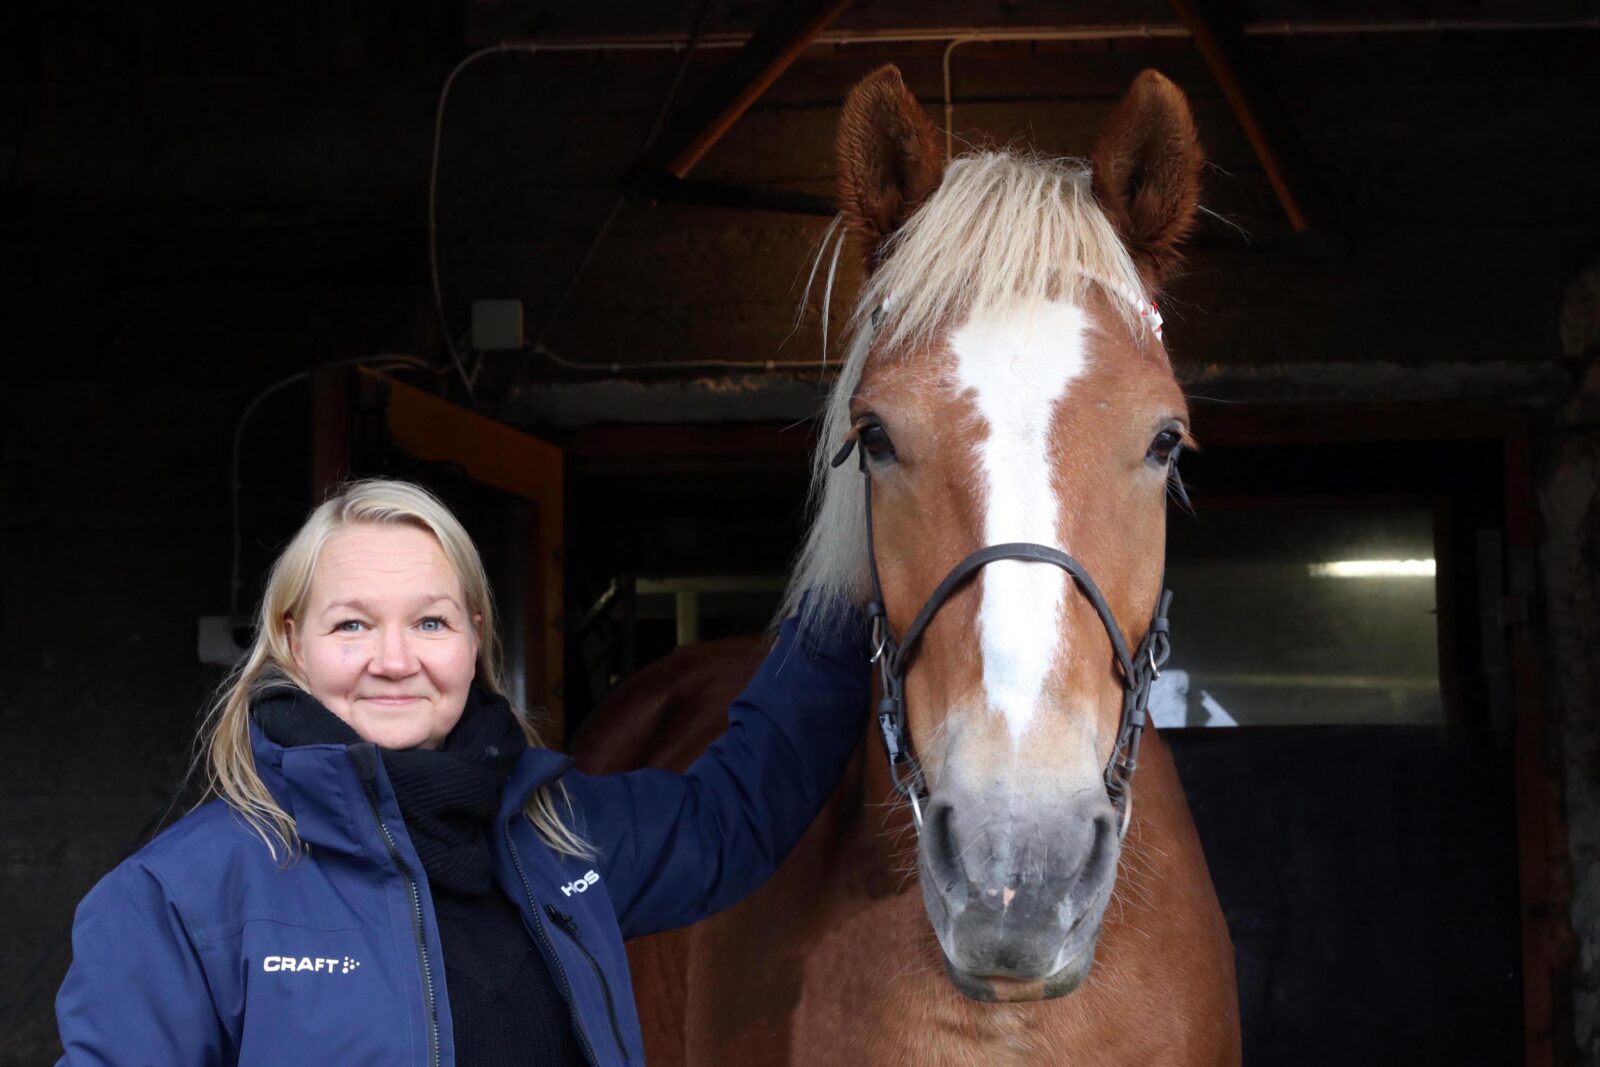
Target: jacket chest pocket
[(328, 996)]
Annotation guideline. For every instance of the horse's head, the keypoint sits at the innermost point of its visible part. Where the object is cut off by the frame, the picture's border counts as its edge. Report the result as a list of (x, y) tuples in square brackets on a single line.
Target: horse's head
[(1007, 384)]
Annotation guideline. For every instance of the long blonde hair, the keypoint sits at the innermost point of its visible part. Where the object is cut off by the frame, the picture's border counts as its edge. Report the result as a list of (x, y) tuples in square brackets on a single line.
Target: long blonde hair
[(225, 736)]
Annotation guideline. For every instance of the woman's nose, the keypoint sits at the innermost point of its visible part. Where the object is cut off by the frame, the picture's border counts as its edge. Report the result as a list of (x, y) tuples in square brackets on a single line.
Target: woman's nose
[(393, 657)]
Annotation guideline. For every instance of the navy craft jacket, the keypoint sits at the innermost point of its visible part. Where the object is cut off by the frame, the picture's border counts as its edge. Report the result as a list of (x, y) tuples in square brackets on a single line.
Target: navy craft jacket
[(200, 949)]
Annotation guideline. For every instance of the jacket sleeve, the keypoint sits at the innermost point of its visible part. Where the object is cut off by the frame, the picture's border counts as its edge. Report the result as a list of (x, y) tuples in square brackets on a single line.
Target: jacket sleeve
[(677, 848), (135, 995)]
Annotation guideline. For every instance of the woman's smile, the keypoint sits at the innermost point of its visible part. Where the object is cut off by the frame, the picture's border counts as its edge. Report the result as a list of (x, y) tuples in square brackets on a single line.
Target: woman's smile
[(385, 608)]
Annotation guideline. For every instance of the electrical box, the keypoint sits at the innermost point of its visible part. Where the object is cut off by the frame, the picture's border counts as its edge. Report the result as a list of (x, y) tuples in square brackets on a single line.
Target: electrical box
[(224, 639), (496, 325)]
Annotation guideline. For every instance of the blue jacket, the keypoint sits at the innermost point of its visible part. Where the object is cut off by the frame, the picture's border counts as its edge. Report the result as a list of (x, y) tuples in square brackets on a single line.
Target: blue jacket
[(200, 949)]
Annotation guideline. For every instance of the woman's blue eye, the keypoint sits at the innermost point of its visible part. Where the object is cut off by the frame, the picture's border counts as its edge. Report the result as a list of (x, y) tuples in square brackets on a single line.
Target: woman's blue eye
[(431, 625), (350, 626)]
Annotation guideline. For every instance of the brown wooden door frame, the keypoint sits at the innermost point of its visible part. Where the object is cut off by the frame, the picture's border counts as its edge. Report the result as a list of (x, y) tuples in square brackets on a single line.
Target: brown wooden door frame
[(493, 454)]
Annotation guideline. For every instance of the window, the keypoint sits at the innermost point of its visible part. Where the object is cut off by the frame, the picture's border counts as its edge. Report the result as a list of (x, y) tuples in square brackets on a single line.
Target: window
[(1293, 614)]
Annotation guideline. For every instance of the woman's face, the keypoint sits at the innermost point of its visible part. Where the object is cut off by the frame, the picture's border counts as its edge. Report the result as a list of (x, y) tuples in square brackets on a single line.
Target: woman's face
[(386, 643)]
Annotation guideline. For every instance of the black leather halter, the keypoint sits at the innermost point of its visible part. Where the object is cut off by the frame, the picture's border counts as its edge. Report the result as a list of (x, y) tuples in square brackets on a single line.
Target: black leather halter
[(1139, 671)]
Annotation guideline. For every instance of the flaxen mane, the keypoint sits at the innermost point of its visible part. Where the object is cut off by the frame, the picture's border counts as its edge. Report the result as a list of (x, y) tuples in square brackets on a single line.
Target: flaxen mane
[(1001, 229)]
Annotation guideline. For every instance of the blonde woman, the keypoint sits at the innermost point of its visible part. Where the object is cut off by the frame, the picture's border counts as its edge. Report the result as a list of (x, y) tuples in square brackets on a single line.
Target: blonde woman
[(391, 870)]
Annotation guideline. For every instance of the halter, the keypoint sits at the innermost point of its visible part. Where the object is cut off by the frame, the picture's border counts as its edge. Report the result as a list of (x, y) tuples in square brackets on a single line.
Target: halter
[(893, 657)]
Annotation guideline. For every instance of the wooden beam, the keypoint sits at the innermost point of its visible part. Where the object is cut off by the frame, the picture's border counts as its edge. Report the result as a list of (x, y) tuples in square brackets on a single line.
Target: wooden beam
[(1221, 41), (494, 454), (788, 30), (1548, 943)]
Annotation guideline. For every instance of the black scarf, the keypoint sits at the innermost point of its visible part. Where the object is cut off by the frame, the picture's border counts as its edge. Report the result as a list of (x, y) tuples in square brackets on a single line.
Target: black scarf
[(448, 796)]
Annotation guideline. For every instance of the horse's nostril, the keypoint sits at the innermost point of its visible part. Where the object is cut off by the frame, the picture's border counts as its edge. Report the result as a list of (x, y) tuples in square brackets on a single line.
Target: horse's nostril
[(1102, 851), (941, 853)]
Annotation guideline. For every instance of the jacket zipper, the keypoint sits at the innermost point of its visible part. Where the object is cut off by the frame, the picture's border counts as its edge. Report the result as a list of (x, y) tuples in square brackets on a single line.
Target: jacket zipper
[(570, 928), (416, 921), (550, 951)]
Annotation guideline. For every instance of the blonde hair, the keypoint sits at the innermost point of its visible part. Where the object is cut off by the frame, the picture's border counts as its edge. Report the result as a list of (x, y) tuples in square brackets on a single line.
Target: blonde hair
[(1002, 229), (225, 736)]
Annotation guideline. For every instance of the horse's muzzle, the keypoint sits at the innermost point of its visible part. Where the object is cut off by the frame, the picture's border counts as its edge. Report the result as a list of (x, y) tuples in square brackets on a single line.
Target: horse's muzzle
[(1016, 902)]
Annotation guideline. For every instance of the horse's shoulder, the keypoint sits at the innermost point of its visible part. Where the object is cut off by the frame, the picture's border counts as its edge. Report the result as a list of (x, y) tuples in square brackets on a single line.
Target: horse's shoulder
[(665, 714)]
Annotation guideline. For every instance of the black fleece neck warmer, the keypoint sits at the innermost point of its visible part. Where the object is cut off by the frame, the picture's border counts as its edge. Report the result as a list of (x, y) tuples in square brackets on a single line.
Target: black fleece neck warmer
[(448, 795)]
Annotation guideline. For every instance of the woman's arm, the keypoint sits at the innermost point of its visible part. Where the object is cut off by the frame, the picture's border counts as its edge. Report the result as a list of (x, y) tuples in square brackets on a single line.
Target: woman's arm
[(135, 993), (676, 848)]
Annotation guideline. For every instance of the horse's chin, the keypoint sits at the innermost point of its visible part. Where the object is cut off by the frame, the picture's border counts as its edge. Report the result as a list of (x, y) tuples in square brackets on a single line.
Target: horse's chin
[(997, 989)]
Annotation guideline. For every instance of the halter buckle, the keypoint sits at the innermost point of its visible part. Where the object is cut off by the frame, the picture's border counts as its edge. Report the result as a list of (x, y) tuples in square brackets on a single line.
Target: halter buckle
[(880, 635)]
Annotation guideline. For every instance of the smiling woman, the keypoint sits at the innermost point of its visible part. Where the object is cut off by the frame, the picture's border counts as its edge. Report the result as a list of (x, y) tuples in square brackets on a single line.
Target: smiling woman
[(386, 642), (379, 608), (391, 868)]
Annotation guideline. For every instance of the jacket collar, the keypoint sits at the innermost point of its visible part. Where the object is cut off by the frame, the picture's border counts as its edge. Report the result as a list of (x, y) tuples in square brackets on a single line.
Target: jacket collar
[(536, 767), (324, 786)]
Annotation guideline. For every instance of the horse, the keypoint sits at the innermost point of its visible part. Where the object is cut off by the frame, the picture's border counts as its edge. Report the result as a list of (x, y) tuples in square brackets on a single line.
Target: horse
[(989, 894)]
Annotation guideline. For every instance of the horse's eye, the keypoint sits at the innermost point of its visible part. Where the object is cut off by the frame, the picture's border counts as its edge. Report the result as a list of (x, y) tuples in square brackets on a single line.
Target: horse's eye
[(1166, 445), (875, 439)]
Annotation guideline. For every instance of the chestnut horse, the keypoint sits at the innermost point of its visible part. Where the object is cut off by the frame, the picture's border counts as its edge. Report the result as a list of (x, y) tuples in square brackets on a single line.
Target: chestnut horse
[(1006, 384)]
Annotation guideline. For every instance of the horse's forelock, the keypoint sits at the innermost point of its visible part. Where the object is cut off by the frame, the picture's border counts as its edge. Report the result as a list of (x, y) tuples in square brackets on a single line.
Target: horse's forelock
[(1001, 228)]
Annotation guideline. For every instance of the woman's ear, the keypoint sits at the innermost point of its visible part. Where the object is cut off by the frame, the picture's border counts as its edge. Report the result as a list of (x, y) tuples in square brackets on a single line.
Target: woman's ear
[(1147, 164), (295, 649), (888, 159)]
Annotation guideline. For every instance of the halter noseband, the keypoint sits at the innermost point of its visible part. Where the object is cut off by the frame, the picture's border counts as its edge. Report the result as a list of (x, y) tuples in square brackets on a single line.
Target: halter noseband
[(1139, 671)]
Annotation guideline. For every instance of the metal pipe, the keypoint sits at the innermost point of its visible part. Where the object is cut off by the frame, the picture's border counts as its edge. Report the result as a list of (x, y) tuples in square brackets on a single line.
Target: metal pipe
[(1106, 32)]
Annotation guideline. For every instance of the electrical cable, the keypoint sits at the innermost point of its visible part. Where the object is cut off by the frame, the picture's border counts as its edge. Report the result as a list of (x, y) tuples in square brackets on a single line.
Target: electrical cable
[(538, 347), (433, 196), (684, 364), (380, 362)]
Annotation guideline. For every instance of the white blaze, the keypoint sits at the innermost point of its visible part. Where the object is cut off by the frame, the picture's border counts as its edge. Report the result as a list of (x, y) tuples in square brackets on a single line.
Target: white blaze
[(1017, 368)]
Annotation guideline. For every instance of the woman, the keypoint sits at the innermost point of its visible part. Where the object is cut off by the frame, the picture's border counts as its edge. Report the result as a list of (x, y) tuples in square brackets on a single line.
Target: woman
[(391, 870)]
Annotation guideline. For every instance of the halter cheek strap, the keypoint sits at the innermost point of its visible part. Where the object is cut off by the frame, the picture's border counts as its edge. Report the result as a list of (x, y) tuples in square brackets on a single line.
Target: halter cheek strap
[(1139, 670)]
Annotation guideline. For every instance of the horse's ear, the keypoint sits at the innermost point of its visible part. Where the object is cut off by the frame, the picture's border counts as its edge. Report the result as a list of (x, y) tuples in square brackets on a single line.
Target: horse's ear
[(1147, 173), (889, 158)]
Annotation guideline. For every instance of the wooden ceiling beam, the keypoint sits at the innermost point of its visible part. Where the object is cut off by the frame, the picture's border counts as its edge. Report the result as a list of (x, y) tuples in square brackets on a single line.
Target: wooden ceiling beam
[(1221, 41), (788, 30)]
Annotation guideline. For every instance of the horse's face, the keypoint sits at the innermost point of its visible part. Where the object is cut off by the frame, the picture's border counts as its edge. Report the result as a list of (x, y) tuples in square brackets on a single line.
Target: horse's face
[(1051, 425), (1047, 419)]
